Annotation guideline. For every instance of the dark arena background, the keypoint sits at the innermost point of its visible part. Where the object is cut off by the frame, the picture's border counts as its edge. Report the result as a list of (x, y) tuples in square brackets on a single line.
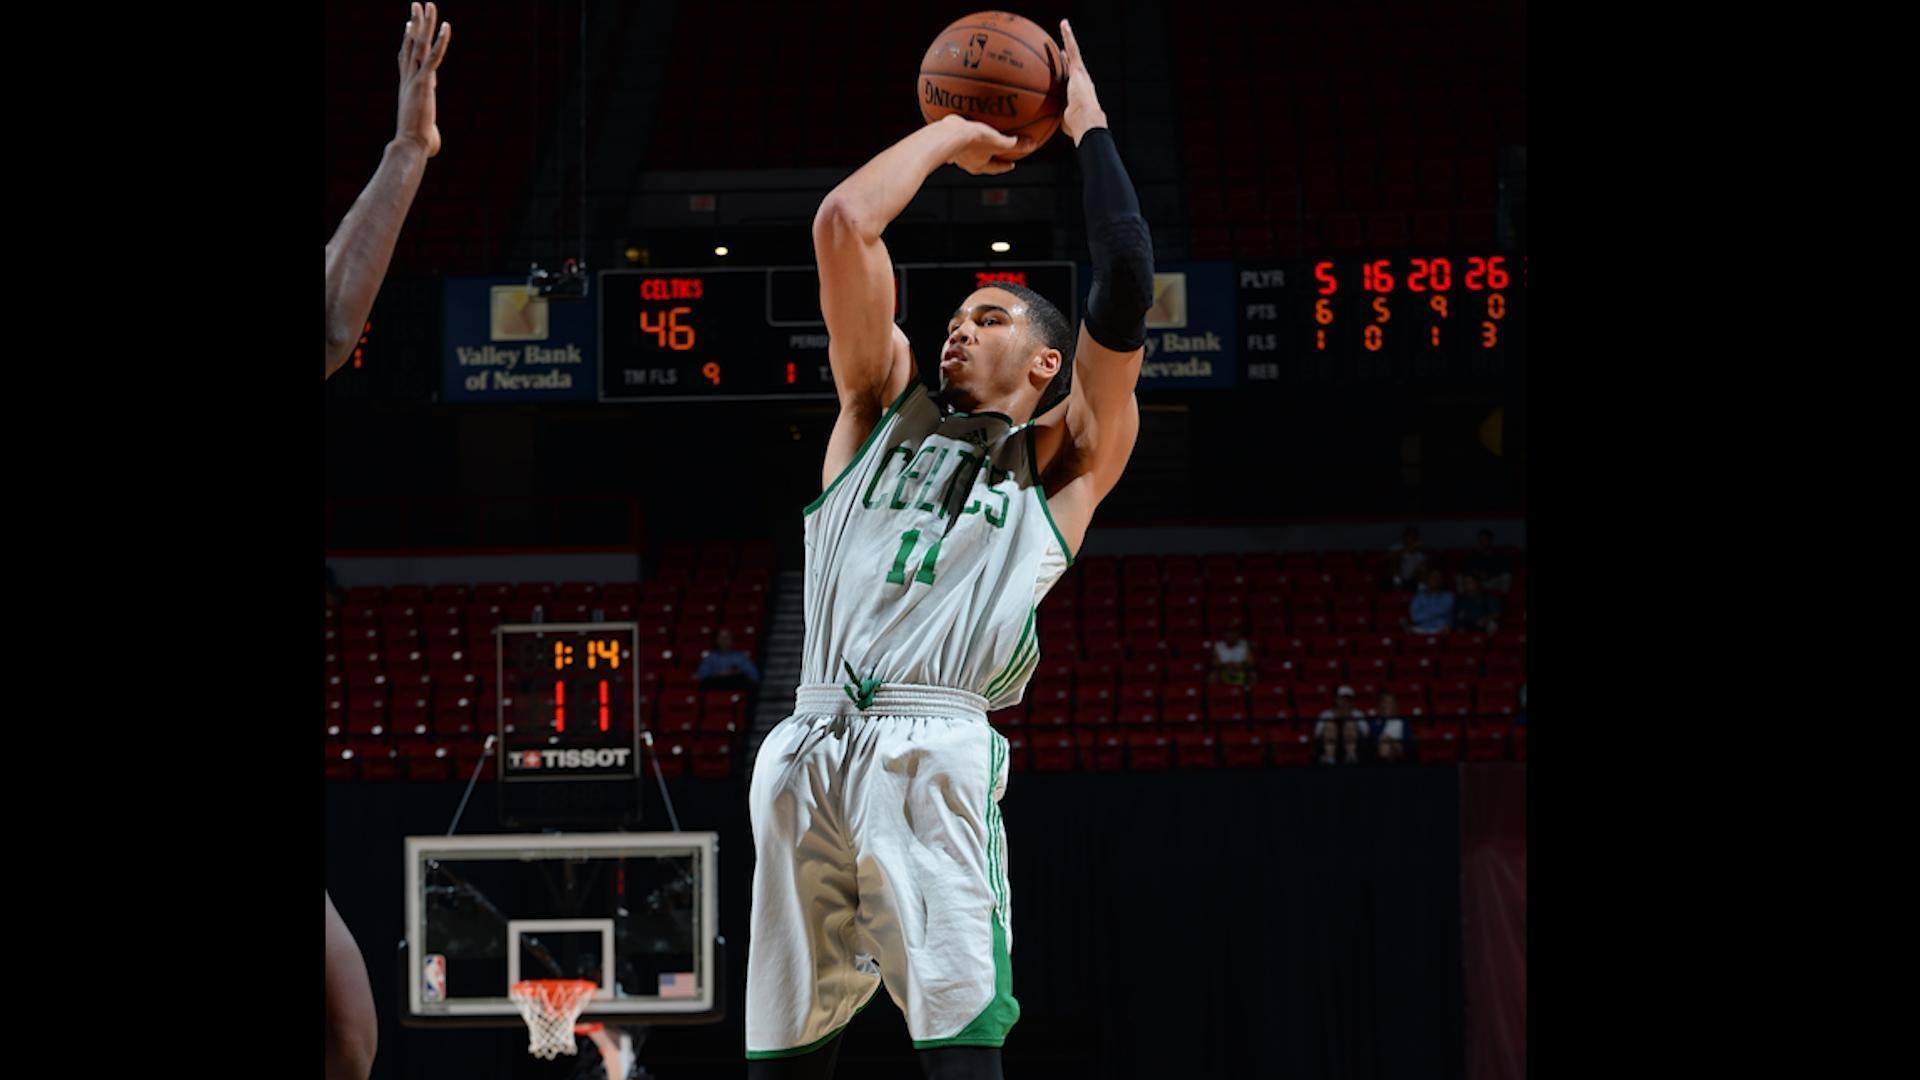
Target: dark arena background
[(1338, 354)]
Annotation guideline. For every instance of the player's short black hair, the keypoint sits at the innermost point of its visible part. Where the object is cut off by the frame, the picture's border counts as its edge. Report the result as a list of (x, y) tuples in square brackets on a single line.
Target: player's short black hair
[(1050, 327)]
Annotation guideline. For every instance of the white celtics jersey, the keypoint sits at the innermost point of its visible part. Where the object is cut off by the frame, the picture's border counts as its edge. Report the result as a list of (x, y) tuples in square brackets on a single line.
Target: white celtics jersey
[(928, 555)]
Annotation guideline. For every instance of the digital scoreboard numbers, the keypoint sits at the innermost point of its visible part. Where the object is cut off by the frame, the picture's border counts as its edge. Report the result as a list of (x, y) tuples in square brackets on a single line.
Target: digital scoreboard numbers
[(1369, 320), (677, 335), (671, 335)]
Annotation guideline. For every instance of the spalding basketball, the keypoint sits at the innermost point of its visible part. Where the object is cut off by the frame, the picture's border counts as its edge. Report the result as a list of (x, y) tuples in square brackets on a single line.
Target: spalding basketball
[(1000, 69)]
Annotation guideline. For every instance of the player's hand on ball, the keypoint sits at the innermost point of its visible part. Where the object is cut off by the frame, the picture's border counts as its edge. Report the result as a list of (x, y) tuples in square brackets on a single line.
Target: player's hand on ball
[(979, 155), (1083, 105)]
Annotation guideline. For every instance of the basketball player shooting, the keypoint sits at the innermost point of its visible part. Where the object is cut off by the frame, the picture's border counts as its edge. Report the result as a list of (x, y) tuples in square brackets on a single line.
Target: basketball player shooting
[(357, 259), (947, 515)]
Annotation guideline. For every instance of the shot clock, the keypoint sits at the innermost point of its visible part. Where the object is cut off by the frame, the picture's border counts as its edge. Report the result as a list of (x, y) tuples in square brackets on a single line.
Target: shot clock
[(569, 703), (569, 723)]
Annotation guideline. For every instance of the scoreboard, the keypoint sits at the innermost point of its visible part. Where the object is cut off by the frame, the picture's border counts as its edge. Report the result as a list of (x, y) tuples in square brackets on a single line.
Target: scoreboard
[(756, 332)]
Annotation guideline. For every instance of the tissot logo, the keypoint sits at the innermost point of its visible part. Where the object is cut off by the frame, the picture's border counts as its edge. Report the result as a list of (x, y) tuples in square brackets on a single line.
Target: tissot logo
[(551, 760)]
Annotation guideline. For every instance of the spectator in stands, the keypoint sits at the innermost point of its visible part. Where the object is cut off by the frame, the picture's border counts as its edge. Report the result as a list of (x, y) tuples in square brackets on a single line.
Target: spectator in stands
[(1475, 611), (1388, 729), (1341, 729), (1406, 561), (1431, 609), (1494, 570), (1232, 657), (725, 668)]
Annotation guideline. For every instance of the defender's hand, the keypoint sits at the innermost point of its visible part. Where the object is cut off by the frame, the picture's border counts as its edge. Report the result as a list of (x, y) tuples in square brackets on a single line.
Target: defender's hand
[(420, 56)]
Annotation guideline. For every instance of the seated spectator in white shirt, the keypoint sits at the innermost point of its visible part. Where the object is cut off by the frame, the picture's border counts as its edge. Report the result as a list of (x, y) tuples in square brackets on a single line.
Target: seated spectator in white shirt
[(1232, 657)]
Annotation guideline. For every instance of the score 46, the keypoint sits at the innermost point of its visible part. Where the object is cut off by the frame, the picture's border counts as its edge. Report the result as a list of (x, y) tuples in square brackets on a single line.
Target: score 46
[(676, 336), (667, 328)]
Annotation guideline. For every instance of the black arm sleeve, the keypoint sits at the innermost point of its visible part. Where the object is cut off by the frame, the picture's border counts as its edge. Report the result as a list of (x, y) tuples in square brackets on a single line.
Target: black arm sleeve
[(1122, 247)]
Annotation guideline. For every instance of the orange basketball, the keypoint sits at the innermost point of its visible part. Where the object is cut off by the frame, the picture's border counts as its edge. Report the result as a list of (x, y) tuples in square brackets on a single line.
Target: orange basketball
[(1000, 69)]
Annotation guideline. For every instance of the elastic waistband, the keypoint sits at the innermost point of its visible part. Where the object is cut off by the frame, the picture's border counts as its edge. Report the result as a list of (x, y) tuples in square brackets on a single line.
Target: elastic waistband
[(831, 699)]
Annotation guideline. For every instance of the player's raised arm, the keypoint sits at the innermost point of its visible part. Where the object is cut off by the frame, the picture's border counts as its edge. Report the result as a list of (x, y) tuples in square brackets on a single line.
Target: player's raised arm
[(362, 246), (1102, 418), (871, 364)]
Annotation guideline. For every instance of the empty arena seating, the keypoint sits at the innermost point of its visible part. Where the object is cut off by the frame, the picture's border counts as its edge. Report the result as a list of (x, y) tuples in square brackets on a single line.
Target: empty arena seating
[(411, 690), (1126, 646)]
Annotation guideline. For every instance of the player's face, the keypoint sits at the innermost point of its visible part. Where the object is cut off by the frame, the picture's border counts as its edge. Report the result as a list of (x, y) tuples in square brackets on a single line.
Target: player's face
[(988, 350)]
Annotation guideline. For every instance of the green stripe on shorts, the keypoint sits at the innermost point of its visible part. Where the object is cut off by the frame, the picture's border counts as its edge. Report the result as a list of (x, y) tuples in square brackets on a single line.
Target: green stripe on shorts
[(991, 1026)]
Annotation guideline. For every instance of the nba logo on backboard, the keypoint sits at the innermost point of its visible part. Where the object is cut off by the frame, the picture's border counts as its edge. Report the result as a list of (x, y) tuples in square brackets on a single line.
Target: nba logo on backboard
[(435, 988)]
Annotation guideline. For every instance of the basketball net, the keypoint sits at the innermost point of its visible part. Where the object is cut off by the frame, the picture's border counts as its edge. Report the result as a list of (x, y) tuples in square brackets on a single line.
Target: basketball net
[(550, 1007)]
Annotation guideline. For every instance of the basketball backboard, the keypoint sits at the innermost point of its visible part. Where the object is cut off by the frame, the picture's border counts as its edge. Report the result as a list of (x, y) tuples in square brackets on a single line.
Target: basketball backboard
[(484, 912)]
